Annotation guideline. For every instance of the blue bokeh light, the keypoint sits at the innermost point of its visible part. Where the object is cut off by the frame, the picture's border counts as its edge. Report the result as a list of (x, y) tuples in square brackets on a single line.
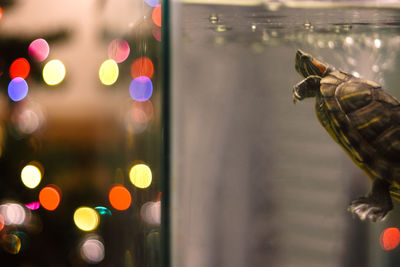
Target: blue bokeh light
[(17, 89), (103, 210), (141, 88), (152, 3)]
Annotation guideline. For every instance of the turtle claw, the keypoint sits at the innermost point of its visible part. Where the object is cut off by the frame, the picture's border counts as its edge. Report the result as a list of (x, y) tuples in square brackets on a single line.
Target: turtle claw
[(366, 208)]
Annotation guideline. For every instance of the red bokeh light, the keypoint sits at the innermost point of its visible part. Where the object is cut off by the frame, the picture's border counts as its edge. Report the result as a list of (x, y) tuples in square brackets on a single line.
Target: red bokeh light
[(142, 66), (20, 68), (390, 238)]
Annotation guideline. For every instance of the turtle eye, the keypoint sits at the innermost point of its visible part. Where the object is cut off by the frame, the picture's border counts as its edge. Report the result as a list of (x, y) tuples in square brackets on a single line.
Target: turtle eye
[(321, 67)]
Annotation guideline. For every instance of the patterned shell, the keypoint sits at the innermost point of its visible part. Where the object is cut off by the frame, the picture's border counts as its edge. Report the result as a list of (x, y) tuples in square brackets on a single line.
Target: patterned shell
[(365, 121)]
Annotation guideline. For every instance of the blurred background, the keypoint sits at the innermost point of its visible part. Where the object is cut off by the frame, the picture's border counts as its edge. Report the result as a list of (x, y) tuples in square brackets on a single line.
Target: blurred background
[(80, 133)]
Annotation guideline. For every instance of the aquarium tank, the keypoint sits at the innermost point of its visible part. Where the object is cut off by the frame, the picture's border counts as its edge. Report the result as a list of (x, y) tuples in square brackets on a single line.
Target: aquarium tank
[(255, 178)]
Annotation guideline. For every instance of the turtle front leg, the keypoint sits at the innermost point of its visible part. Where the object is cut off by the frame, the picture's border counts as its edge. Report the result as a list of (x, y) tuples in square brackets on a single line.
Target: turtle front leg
[(375, 205), (306, 88)]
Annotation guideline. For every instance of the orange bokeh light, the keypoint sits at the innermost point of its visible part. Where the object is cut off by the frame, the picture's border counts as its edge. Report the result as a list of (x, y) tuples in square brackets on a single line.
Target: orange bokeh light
[(1, 12), (390, 238), (120, 198), (156, 15), (20, 68), (50, 197), (142, 66)]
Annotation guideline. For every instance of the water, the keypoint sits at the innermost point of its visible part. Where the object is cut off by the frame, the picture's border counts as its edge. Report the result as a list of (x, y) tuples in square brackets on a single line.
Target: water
[(257, 180)]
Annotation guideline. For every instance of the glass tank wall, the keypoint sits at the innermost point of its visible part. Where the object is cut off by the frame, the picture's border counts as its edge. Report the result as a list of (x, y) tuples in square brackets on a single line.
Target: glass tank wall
[(80, 133), (256, 180)]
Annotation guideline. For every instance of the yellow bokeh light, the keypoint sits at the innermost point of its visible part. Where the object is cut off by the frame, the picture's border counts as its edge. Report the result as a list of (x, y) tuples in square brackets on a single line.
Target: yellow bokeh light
[(108, 72), (54, 72), (140, 176), (86, 219), (31, 176)]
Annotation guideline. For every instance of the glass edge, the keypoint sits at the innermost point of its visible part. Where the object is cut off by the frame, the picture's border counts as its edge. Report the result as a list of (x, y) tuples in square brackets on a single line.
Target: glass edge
[(165, 157)]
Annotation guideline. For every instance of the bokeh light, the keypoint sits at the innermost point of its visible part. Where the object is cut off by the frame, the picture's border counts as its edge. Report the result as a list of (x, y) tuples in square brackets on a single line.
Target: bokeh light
[(92, 250), (39, 50), (377, 43), (31, 176), (156, 15), (132, 126), (103, 210), (140, 176), (1, 222), (20, 68), (24, 239), (152, 3), (118, 50), (390, 238), (1, 13), (157, 33), (141, 88), (13, 213), (142, 66), (151, 212), (142, 112), (54, 72), (86, 219), (11, 243), (33, 205), (27, 118), (50, 197), (108, 72), (119, 197), (17, 89)]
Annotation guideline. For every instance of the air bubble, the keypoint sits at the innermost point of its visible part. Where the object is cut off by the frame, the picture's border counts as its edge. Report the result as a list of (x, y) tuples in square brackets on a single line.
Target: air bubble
[(221, 28), (213, 18)]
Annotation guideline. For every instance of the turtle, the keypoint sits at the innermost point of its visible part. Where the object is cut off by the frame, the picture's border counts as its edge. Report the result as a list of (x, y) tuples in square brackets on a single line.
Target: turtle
[(364, 120)]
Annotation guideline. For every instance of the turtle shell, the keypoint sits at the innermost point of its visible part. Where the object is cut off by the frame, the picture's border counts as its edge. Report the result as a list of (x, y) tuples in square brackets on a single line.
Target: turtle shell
[(365, 121)]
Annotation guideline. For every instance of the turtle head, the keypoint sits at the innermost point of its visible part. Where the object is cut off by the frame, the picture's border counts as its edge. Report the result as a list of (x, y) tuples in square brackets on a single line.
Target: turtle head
[(306, 65)]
